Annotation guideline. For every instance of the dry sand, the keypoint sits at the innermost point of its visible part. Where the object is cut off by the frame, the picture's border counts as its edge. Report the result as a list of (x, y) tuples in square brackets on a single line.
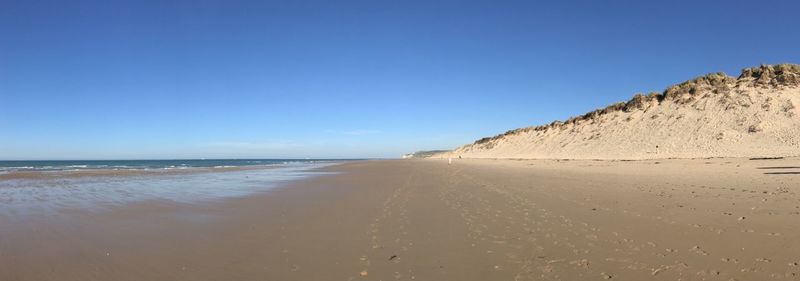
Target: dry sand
[(712, 219)]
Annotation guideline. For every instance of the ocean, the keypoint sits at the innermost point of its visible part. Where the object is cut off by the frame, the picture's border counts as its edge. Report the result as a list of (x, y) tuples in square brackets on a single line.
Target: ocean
[(62, 165), (46, 187)]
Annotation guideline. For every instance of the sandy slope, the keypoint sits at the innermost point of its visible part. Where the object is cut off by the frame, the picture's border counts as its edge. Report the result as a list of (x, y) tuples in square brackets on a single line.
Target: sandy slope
[(712, 116), (719, 219)]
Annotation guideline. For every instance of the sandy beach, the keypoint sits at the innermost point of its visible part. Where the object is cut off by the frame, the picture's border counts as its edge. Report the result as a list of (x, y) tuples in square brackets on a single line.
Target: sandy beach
[(704, 219), (399, 140)]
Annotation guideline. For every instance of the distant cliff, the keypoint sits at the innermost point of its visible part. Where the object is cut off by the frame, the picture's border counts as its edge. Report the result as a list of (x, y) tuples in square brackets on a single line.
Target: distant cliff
[(424, 154)]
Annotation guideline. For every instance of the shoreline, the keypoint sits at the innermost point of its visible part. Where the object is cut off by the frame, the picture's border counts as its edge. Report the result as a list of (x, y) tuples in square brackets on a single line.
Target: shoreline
[(37, 193), (125, 172)]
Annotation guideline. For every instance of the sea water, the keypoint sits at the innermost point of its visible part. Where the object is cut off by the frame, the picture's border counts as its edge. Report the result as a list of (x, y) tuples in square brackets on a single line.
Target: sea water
[(60, 165), (53, 185)]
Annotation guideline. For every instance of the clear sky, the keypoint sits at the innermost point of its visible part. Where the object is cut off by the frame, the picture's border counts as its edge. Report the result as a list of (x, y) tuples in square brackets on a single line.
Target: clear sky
[(191, 79)]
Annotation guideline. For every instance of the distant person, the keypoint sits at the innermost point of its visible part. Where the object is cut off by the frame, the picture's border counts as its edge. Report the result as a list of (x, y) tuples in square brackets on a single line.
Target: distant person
[(449, 161)]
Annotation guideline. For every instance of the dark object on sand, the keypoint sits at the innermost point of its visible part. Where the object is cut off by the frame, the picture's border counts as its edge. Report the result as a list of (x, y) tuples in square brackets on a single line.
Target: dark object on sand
[(766, 158)]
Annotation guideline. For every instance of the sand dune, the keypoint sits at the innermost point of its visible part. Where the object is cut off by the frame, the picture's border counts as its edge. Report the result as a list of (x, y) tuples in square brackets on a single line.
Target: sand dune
[(711, 116)]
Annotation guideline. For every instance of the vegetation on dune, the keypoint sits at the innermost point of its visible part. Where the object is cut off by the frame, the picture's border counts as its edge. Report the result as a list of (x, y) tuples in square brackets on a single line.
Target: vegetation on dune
[(774, 75), (685, 92)]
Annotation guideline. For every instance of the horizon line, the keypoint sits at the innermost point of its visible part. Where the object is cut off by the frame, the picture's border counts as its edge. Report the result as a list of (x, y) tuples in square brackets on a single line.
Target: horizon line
[(174, 159)]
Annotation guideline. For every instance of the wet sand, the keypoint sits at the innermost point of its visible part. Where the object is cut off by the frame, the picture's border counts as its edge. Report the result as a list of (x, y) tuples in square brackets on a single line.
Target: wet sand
[(705, 219), (61, 174)]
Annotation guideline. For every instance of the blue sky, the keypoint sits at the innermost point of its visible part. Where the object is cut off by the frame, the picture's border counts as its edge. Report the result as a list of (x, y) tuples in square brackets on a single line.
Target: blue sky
[(275, 79)]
